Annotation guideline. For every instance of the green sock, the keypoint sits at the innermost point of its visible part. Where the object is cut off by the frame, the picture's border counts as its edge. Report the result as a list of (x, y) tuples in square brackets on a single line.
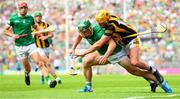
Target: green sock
[(47, 78)]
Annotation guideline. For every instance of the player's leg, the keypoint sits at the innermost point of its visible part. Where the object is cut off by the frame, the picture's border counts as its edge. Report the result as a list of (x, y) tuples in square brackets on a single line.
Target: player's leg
[(42, 79), (51, 69), (134, 59), (89, 61), (27, 69), (23, 58), (37, 59), (134, 51), (44, 53), (125, 62), (33, 52)]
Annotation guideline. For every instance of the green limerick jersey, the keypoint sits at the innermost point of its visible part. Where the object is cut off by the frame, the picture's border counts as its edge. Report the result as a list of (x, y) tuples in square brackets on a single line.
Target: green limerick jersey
[(22, 25), (98, 32)]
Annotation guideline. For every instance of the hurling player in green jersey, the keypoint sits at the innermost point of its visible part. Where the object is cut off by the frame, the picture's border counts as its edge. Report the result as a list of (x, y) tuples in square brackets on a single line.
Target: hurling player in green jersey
[(21, 24), (114, 53)]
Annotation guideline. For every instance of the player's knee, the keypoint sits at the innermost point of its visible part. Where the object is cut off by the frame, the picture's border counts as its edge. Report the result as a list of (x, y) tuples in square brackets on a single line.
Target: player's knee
[(86, 64), (40, 64)]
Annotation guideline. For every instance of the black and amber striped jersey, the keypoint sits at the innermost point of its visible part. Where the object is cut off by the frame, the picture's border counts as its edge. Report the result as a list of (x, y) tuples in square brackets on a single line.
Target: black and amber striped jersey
[(117, 29), (39, 42)]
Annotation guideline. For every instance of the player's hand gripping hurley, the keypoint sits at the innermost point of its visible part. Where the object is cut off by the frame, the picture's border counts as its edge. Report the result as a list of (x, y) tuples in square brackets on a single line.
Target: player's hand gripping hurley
[(48, 29)]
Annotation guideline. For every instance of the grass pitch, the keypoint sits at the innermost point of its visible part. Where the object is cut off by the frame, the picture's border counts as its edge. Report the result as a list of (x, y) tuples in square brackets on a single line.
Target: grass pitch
[(104, 87)]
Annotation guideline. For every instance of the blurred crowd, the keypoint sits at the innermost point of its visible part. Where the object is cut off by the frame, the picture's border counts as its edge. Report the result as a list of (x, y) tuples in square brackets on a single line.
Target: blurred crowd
[(157, 49)]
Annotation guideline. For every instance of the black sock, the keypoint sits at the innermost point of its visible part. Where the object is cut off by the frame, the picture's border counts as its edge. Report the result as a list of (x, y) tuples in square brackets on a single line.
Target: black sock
[(150, 81), (158, 76), (156, 73), (152, 69)]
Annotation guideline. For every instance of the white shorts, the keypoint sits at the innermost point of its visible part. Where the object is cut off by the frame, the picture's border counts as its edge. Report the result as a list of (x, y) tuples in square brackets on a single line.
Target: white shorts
[(44, 51), (117, 57), (25, 51), (134, 43)]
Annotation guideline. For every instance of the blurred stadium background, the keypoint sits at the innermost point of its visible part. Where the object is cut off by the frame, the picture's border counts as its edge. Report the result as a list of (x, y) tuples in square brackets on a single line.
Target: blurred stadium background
[(161, 50)]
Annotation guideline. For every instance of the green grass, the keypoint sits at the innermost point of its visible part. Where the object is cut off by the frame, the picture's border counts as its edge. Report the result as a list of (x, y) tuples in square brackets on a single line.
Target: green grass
[(104, 86)]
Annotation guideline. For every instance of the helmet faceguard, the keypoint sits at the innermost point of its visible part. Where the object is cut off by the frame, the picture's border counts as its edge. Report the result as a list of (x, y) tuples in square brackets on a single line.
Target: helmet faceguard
[(83, 27)]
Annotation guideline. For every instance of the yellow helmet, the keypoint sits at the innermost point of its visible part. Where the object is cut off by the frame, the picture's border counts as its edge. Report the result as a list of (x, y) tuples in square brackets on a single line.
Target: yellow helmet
[(102, 16)]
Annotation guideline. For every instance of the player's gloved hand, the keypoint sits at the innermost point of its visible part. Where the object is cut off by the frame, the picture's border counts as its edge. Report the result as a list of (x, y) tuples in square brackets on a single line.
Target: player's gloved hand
[(102, 60)]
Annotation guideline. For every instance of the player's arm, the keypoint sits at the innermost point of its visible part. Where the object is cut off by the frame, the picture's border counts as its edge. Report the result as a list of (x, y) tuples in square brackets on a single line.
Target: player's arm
[(97, 45), (105, 38), (50, 35), (75, 44), (7, 31), (111, 46)]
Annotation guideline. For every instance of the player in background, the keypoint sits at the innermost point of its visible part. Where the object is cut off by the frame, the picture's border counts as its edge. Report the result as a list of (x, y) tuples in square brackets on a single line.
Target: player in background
[(92, 33), (21, 24), (43, 42)]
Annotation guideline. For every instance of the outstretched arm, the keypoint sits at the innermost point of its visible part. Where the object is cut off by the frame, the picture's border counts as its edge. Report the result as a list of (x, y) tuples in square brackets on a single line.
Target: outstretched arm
[(97, 45), (111, 46), (50, 35), (7, 31), (75, 44)]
